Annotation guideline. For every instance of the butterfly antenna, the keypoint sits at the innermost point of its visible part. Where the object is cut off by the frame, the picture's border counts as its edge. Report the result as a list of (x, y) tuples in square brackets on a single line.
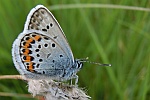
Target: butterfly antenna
[(86, 60)]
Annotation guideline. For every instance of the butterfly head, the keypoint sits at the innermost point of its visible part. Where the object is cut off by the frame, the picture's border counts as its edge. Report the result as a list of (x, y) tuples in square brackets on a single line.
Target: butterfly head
[(78, 64)]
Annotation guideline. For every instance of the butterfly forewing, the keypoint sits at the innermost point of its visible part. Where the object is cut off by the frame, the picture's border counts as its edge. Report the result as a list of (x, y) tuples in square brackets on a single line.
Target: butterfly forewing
[(40, 18)]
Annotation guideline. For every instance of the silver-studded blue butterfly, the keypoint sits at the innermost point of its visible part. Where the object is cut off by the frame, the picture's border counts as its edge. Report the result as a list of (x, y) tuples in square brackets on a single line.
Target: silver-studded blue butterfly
[(41, 51)]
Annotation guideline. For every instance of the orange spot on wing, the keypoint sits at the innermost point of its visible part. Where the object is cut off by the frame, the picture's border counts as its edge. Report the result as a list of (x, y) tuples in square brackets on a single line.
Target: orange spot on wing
[(30, 40), (26, 45), (30, 68), (26, 52), (28, 59), (37, 37)]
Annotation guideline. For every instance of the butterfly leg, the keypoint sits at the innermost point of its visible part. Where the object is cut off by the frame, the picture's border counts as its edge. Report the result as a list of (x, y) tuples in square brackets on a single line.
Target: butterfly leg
[(76, 79), (71, 81)]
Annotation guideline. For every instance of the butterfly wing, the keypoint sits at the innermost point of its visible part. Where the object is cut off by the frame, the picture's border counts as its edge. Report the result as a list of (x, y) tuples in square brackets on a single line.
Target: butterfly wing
[(40, 18), (39, 56), (42, 49)]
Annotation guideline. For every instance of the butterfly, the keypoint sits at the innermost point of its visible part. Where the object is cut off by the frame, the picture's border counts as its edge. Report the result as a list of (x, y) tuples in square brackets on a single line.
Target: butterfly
[(41, 51)]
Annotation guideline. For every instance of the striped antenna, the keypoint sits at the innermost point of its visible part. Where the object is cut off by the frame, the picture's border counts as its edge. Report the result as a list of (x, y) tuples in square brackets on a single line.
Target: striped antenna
[(86, 60)]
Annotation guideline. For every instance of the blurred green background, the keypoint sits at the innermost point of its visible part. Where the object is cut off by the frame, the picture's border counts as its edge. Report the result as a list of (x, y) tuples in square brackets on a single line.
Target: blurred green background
[(117, 36)]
